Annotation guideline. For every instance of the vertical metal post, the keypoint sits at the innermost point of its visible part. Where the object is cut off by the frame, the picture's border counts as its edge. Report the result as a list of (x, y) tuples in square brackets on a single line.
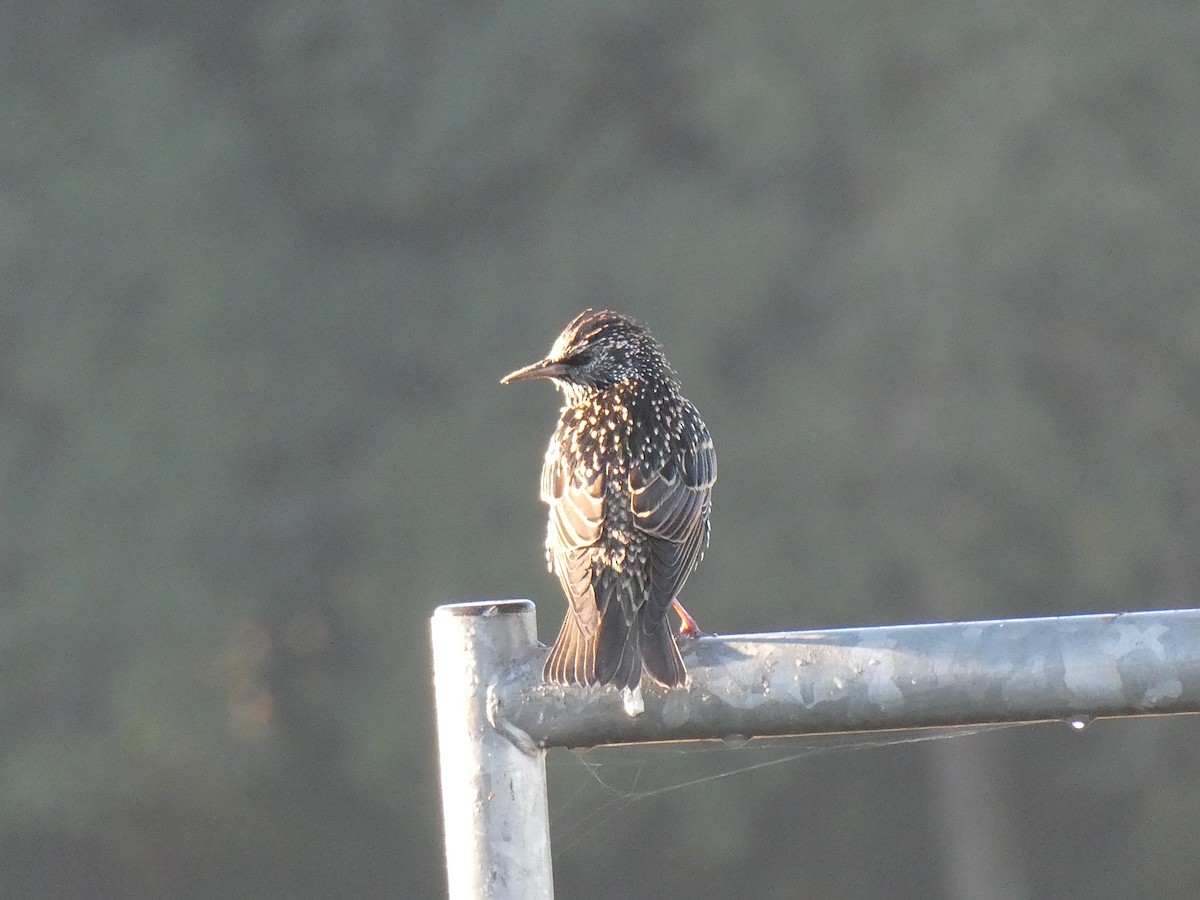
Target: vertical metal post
[(493, 792)]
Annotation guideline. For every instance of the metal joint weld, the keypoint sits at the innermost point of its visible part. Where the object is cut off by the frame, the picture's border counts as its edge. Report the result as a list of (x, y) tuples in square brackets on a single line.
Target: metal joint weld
[(520, 739)]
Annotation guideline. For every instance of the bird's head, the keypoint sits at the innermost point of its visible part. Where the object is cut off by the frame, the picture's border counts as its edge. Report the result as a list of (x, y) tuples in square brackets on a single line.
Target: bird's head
[(596, 351)]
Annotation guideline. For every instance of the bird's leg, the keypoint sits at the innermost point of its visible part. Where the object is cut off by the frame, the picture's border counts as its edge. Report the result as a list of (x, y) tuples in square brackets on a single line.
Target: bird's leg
[(687, 625)]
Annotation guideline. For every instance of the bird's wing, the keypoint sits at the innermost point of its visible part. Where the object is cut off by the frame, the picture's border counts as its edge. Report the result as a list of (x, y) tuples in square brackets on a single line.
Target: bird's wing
[(576, 517), (671, 504)]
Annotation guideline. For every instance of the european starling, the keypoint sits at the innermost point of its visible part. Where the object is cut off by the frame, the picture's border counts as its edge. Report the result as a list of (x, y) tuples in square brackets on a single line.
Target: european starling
[(628, 478)]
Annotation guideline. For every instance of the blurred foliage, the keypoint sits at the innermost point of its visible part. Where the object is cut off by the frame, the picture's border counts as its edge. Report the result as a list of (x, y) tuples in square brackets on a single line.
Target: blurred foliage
[(929, 270)]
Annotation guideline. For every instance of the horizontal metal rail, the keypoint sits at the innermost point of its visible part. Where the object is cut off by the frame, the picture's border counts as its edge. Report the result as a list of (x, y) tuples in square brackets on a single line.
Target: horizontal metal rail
[(880, 678)]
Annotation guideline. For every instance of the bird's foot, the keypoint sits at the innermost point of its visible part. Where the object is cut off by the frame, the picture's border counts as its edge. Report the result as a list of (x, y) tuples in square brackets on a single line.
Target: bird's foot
[(688, 627)]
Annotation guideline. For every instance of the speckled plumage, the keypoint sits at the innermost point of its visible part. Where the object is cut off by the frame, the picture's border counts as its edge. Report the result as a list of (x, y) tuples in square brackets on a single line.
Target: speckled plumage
[(628, 478)]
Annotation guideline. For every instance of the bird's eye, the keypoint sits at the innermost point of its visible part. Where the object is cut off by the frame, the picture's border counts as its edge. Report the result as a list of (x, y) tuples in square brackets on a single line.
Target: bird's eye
[(580, 359)]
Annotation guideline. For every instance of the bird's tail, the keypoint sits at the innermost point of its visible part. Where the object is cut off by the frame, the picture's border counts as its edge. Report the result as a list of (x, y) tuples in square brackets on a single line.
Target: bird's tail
[(626, 648), (616, 654), (660, 654), (572, 659)]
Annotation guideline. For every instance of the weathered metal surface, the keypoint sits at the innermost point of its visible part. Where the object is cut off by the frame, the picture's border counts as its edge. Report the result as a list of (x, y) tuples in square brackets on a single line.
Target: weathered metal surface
[(493, 791), (882, 678)]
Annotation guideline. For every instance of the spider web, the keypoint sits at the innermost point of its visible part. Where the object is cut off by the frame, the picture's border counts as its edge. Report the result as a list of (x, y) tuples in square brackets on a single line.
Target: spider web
[(591, 788)]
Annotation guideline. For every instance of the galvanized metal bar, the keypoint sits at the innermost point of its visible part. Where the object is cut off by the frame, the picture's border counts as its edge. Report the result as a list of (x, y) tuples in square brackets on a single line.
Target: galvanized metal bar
[(1071, 668), (493, 787)]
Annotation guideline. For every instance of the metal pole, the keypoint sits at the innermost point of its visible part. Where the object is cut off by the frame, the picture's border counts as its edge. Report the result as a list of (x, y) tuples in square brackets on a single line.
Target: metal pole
[(1070, 668), (493, 788)]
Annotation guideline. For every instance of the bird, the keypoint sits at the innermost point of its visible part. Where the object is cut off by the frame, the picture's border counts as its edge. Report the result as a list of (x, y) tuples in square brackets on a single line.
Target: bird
[(628, 479)]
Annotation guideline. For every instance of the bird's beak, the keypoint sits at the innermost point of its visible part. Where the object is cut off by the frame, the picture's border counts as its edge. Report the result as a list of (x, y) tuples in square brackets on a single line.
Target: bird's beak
[(546, 368)]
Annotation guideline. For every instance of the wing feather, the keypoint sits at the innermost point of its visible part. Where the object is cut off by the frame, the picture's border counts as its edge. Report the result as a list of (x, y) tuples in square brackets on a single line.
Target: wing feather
[(672, 506), (576, 518)]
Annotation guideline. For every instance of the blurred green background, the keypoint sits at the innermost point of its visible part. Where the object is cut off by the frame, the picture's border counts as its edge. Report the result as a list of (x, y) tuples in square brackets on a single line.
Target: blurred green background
[(929, 270)]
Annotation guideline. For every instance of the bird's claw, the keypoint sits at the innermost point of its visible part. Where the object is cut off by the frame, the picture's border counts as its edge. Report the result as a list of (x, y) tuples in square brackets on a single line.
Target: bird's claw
[(689, 629)]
